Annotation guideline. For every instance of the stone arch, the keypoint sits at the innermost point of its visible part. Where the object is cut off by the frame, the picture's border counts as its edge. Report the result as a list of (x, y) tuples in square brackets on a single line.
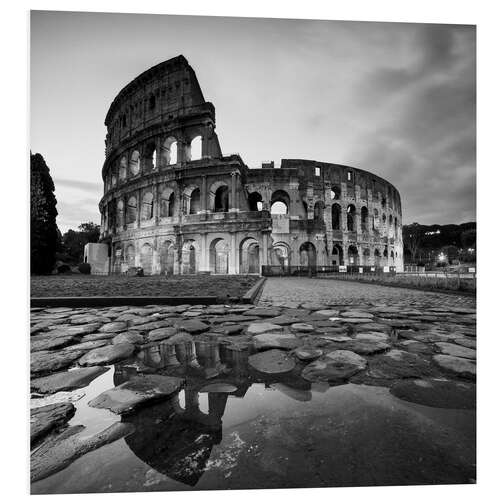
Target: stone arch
[(219, 197), (193, 151), (146, 256), (167, 202), (364, 218), (337, 255), (249, 256), (120, 212), (352, 255), (392, 257), (219, 256), (131, 209), (319, 208), (336, 217), (123, 168), (167, 257), (150, 156), (376, 256), (130, 255), (192, 199), (351, 217), (335, 193), (118, 258), (280, 202), (307, 254), (366, 256), (135, 162), (170, 151), (255, 201), (376, 220), (147, 206), (189, 262), (280, 254)]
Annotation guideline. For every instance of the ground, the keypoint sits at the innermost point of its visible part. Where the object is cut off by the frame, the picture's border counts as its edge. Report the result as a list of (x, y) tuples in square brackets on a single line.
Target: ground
[(242, 396), (172, 286)]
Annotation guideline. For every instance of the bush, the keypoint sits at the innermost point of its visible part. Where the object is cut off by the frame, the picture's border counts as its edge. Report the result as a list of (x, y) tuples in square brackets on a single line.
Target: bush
[(63, 269), (84, 268)]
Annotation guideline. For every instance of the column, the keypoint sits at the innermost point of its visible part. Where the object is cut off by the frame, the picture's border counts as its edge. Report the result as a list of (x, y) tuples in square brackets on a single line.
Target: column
[(264, 253), (204, 194), (139, 208), (204, 257), (156, 203), (233, 267), (233, 201)]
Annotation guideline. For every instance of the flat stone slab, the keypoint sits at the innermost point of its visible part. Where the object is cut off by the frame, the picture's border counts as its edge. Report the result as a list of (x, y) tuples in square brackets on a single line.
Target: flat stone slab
[(44, 362), (265, 312), (153, 325), (273, 361), (193, 326), (458, 366), (312, 306), (334, 367), (234, 318), (456, 350), (308, 354), (357, 314), (47, 342), (302, 327), (114, 327), (87, 346), (66, 381), (470, 343), (162, 333), (46, 418), (106, 355), (257, 328), (128, 338), (57, 454), (219, 387), (399, 364), (353, 321), (366, 346), (139, 390), (436, 393), (327, 312), (179, 338), (275, 341)]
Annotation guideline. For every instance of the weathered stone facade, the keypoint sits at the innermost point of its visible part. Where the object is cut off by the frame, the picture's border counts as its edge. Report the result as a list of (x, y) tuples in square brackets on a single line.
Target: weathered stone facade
[(173, 203)]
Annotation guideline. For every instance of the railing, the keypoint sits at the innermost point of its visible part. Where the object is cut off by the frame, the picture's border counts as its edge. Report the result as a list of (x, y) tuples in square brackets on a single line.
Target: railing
[(341, 271)]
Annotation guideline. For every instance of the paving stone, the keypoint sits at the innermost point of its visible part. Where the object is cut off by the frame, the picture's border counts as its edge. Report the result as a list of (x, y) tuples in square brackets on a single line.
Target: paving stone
[(265, 312), (458, 366), (57, 454), (456, 350), (416, 347), (219, 387), (234, 318), (275, 340), (107, 355), (44, 362), (87, 346), (336, 366), (179, 338), (399, 364), (75, 329), (257, 328), (114, 327), (154, 325), (327, 312), (193, 326), (47, 418), (470, 343), (273, 361), (85, 319), (66, 381), (129, 337), (137, 391), (161, 333), (366, 346), (308, 353), (357, 314), (47, 342), (302, 327)]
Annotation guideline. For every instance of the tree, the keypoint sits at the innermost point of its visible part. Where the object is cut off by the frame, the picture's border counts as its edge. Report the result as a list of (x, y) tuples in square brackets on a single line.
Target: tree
[(73, 242), (412, 238), (44, 234)]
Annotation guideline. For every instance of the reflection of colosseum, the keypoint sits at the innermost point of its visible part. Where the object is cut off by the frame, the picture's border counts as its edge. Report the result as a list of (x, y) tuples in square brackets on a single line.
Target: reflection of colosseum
[(173, 203)]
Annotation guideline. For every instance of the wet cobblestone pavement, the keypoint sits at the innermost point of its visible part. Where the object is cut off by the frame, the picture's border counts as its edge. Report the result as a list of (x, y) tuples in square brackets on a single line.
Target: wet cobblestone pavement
[(237, 396)]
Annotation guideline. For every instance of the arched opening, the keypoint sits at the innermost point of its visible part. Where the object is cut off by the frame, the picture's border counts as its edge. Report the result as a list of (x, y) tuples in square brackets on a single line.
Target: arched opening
[(319, 208), (255, 202), (336, 217), (118, 259), (307, 254), (280, 202), (120, 213), (392, 257), (167, 257), (167, 203), (195, 149), (149, 156), (147, 206), (376, 221), (188, 257), (221, 199), (153, 160), (249, 256), (352, 256), (130, 256), (366, 256), (219, 256), (135, 162), (169, 151), (122, 173), (351, 218), (280, 255), (147, 258), (335, 193), (337, 255), (376, 255), (131, 210), (385, 254), (384, 218), (113, 179), (152, 102), (390, 219), (364, 219), (195, 201)]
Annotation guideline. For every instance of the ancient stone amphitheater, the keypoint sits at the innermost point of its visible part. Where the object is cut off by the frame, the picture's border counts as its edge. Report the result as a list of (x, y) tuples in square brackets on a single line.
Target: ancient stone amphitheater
[(174, 204)]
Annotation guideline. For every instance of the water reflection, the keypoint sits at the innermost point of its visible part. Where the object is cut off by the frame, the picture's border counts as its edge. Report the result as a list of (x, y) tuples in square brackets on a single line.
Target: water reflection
[(176, 437)]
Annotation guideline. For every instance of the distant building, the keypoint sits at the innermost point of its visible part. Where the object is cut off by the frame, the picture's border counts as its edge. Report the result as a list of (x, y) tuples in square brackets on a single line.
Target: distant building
[(174, 204)]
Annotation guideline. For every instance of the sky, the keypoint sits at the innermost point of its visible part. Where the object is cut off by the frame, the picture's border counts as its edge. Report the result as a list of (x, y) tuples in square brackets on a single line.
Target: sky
[(396, 99)]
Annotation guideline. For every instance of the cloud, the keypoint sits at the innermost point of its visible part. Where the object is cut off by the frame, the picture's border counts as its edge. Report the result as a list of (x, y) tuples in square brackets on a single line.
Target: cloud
[(76, 184)]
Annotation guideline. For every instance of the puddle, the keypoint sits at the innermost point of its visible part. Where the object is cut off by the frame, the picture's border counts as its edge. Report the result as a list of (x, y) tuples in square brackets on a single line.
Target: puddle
[(272, 431)]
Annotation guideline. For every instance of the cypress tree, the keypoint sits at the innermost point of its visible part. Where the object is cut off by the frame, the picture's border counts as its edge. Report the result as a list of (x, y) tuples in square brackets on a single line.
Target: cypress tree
[(44, 233)]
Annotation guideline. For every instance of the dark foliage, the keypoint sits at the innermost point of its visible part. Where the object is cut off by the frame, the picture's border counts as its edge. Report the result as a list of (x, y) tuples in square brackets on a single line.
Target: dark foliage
[(84, 268), (44, 234), (63, 269), (73, 242)]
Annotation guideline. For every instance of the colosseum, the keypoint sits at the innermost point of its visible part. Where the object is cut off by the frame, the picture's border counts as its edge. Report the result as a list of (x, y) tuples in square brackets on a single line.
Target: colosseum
[(175, 204)]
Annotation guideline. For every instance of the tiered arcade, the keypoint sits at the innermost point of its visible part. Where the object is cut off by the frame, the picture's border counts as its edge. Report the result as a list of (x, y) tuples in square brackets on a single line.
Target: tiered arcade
[(174, 204)]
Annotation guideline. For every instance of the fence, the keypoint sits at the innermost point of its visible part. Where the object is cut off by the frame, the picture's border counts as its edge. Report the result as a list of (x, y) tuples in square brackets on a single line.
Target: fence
[(326, 270)]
